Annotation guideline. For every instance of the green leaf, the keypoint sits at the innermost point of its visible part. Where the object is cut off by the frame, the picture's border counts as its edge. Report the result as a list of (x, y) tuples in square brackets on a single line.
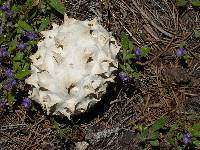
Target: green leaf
[(170, 138), (1, 14), (195, 3), (196, 143), (135, 74), (129, 56), (122, 67), (196, 33), (158, 124), (195, 130), (26, 66), (25, 26), (54, 123), (44, 24), (196, 126), (33, 107), (57, 5), (154, 143), (196, 133), (12, 45), (180, 148), (144, 132), (154, 135), (145, 51), (22, 74), (124, 41), (11, 99), (173, 132), (16, 65), (192, 117), (29, 3), (19, 30), (179, 136), (181, 3), (16, 8), (33, 14), (128, 68), (185, 58), (61, 133), (32, 43), (56, 126), (19, 56), (183, 44), (131, 46)]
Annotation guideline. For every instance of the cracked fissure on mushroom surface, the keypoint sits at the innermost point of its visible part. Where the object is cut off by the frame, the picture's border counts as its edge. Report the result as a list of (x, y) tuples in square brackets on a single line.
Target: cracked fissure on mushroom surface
[(73, 66)]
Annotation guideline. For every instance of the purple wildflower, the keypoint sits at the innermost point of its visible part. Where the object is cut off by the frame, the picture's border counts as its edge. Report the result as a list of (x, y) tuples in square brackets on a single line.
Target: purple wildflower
[(9, 73), (4, 8), (124, 77), (26, 102), (180, 52), (21, 46), (187, 138), (2, 103), (137, 52), (3, 52), (9, 84), (30, 35), (7, 10), (9, 13)]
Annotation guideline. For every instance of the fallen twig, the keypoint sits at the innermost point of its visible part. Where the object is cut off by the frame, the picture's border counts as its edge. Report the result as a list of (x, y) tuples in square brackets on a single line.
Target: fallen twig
[(146, 17)]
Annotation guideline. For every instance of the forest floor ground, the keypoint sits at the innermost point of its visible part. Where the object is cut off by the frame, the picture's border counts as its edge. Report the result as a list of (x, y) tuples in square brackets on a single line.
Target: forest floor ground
[(168, 86)]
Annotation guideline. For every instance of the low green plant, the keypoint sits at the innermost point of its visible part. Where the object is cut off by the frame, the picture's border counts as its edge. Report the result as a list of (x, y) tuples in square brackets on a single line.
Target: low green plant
[(20, 25), (182, 53), (196, 33), (183, 3), (195, 132), (130, 54), (56, 126), (150, 135), (183, 136), (179, 135), (57, 5)]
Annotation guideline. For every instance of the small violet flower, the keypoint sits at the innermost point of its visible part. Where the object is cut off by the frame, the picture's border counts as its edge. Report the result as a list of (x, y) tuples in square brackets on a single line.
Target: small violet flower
[(3, 52), (180, 52), (9, 13), (9, 73), (187, 138), (9, 84), (2, 103), (30, 35), (21, 46), (137, 52), (124, 77), (26, 102), (4, 8), (7, 10)]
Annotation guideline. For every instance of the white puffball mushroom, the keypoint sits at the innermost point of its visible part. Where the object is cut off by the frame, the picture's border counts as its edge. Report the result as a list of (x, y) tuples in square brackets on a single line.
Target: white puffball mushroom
[(72, 67)]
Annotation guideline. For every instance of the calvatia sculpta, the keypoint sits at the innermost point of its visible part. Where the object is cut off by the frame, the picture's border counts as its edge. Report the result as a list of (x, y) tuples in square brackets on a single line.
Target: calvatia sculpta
[(73, 66)]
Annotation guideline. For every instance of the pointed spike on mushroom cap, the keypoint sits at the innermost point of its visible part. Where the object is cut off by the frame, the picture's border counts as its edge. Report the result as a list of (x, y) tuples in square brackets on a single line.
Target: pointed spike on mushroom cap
[(93, 21), (66, 18)]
